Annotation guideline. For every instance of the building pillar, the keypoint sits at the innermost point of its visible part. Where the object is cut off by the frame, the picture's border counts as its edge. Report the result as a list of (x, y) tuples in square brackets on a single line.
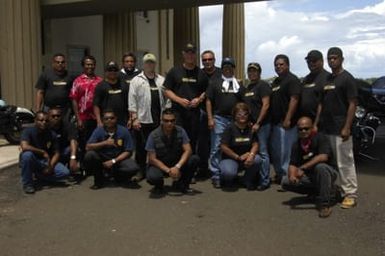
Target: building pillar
[(233, 40), (119, 32), (20, 50), (186, 29)]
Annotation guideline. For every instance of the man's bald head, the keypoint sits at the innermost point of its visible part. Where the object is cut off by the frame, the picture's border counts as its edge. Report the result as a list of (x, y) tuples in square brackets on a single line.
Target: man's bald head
[(305, 126), (305, 120)]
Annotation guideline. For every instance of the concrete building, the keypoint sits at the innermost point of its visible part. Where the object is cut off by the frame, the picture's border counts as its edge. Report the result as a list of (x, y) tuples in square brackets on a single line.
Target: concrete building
[(33, 30)]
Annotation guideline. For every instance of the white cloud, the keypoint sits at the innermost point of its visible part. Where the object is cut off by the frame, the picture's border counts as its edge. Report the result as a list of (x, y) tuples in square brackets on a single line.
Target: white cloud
[(271, 30)]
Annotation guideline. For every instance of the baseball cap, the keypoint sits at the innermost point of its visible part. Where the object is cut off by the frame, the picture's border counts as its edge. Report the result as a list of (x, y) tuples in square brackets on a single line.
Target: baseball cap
[(335, 51), (254, 65), (112, 66), (314, 55), (149, 57), (190, 47), (228, 61)]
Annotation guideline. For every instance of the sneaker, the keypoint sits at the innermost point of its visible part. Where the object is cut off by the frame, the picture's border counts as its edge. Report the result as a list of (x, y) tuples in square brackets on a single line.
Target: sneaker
[(157, 192), (29, 189), (348, 202), (216, 183), (96, 187), (262, 187), (138, 177), (324, 212)]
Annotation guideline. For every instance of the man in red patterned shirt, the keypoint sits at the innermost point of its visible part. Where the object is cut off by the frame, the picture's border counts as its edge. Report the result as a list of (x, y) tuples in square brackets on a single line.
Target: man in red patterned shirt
[(82, 95)]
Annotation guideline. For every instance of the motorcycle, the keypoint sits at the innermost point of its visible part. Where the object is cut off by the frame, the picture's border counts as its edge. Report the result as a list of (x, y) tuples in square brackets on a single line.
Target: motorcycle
[(13, 120)]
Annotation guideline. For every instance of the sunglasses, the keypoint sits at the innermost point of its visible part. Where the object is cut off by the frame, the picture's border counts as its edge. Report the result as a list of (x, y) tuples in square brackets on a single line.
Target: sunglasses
[(242, 114), (109, 118), (169, 120), (205, 60), (304, 129)]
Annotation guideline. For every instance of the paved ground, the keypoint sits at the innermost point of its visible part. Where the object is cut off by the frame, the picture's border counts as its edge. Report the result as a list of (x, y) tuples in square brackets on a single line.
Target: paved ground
[(75, 220)]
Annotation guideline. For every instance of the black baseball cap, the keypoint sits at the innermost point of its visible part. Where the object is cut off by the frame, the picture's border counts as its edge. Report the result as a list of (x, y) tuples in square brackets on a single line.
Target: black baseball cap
[(190, 47), (335, 51), (228, 61), (254, 65), (111, 66), (314, 55)]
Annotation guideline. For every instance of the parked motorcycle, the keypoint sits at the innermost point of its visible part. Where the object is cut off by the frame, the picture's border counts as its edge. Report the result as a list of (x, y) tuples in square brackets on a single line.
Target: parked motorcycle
[(12, 120)]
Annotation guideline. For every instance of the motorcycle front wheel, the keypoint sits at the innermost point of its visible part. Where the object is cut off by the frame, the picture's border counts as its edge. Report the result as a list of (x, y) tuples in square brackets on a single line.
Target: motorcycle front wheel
[(14, 134)]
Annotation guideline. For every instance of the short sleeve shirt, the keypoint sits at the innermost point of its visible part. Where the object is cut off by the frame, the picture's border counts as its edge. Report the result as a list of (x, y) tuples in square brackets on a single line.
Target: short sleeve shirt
[(46, 140), (252, 95), (337, 92), (283, 88), (56, 88), (122, 137), (150, 145), (65, 134), (239, 140), (311, 95), (186, 83)]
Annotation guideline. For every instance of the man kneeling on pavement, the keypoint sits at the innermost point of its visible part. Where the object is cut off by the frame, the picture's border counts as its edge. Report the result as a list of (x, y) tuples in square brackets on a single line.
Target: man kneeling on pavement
[(311, 170), (169, 154), (108, 152)]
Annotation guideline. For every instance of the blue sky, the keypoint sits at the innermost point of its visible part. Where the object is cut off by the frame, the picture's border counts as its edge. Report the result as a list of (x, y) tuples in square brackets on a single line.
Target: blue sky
[(294, 27)]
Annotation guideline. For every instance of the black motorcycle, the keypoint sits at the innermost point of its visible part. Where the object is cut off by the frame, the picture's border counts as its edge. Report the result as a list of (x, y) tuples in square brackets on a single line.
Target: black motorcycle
[(12, 121)]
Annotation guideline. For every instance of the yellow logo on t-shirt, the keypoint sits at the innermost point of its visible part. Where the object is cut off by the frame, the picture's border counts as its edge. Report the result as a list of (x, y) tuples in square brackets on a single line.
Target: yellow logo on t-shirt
[(249, 94), (120, 142), (274, 89), (49, 144), (329, 87), (59, 83), (114, 91), (242, 139), (188, 80), (306, 157), (309, 85)]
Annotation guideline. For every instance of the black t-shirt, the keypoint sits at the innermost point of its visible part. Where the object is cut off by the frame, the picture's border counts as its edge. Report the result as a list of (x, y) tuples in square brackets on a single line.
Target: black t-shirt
[(65, 133), (283, 88), (320, 144), (222, 101), (186, 83), (239, 140), (252, 95), (56, 88), (155, 102), (312, 89), (115, 97), (126, 76), (45, 140), (338, 90), (217, 74)]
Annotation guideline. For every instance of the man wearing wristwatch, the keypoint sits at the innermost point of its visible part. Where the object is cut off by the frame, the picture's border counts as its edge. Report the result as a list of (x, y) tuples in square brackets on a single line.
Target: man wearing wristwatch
[(169, 154), (109, 150)]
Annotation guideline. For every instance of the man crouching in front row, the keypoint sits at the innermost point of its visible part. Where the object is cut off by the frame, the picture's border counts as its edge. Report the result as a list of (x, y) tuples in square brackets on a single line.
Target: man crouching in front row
[(311, 170), (169, 154), (108, 152)]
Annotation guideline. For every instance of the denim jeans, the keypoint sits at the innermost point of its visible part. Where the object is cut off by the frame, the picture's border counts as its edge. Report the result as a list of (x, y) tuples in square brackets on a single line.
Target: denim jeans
[(229, 170), (30, 164), (263, 140), (221, 123), (282, 141)]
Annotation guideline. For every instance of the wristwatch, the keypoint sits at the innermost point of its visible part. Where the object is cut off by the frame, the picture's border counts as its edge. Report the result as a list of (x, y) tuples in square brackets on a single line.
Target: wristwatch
[(73, 157), (113, 161)]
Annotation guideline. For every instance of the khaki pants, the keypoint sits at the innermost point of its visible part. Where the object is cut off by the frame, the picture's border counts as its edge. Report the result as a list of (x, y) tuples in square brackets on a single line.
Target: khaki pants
[(343, 152)]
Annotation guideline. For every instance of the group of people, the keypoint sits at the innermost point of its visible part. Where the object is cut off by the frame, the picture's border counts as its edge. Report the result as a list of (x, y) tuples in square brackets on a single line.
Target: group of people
[(197, 123)]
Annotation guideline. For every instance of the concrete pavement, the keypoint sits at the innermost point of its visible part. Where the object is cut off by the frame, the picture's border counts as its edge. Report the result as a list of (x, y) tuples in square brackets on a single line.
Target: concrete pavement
[(9, 154)]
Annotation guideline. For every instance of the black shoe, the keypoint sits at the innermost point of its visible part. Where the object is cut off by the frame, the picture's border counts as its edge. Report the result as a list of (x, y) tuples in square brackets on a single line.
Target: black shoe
[(262, 187), (96, 187), (251, 187), (29, 189), (278, 179), (138, 177), (157, 192), (216, 183)]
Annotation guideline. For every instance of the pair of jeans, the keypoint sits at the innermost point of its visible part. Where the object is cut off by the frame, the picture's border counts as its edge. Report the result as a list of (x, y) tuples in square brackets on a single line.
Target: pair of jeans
[(282, 141), (221, 123), (263, 141), (155, 176), (229, 171), (122, 171), (320, 181), (31, 164)]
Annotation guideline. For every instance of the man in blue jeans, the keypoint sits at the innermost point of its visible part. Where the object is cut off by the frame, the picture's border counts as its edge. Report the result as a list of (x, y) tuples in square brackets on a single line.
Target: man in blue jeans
[(222, 95), (40, 154), (286, 89)]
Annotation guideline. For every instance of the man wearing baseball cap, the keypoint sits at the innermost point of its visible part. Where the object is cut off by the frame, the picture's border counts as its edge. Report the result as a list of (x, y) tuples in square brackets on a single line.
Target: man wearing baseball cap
[(338, 109), (185, 86), (146, 104), (111, 94), (312, 86)]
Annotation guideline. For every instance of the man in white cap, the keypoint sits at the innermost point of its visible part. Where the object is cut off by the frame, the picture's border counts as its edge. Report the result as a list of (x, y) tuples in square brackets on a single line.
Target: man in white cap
[(146, 103)]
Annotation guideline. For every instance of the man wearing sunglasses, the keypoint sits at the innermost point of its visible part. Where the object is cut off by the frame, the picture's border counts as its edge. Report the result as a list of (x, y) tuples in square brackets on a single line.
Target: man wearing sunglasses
[(169, 154), (311, 169), (108, 152)]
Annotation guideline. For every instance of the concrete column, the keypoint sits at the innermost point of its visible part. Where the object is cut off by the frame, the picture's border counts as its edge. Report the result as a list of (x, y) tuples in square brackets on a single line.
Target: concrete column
[(20, 50), (233, 41), (186, 29), (119, 32)]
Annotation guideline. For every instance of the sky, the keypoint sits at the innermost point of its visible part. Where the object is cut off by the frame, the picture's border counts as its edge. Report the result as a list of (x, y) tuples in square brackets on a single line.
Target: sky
[(294, 27)]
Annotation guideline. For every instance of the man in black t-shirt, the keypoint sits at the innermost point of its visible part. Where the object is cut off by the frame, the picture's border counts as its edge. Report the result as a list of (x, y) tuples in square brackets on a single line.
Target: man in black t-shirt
[(113, 95), (185, 86), (338, 109), (212, 72), (53, 87), (129, 70), (286, 89), (312, 87), (222, 95), (311, 169)]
